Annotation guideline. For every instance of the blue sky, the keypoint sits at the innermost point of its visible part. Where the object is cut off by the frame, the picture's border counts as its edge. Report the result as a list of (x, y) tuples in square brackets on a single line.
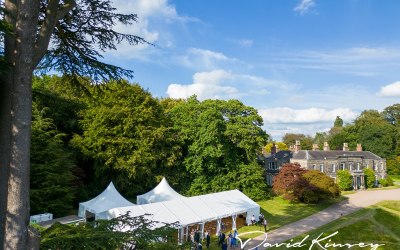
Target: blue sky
[(300, 63)]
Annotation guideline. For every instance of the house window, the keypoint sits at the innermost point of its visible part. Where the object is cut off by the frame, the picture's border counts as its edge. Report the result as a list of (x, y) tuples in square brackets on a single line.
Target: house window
[(381, 165), (321, 167), (358, 166), (342, 166), (333, 168), (314, 167), (351, 166)]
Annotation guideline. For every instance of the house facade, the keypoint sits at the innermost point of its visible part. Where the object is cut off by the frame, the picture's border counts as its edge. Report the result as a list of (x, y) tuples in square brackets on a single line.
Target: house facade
[(329, 162), (274, 161)]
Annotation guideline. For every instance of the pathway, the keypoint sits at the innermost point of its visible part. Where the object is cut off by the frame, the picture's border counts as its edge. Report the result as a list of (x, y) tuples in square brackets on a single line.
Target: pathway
[(354, 202)]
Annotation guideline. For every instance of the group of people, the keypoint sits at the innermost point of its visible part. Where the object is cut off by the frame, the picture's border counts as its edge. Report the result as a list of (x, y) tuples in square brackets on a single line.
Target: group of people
[(195, 241), (261, 221), (224, 241)]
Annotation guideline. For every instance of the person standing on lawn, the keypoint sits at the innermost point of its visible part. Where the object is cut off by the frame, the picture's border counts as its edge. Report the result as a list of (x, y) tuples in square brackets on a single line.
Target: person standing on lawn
[(265, 223)]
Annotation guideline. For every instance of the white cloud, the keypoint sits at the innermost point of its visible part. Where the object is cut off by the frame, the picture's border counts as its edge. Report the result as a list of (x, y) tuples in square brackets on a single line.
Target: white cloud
[(153, 16), (145, 9), (311, 115), (277, 132), (359, 61), (304, 6), (202, 59), (279, 121), (392, 89), (355, 54), (206, 85), (247, 43), (221, 84)]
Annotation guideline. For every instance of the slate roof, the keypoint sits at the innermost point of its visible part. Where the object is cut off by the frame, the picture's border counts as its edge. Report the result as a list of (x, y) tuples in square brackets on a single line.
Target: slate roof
[(281, 154), (332, 154)]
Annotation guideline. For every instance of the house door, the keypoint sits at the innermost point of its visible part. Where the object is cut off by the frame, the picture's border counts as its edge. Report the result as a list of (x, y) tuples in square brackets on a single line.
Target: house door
[(358, 182)]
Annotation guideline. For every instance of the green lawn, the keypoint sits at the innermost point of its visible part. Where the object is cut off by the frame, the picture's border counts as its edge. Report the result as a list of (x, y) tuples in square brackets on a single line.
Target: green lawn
[(396, 180), (280, 212), (378, 224)]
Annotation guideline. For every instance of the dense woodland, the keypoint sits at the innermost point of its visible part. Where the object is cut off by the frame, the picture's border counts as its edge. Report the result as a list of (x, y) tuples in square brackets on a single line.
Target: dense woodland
[(82, 140), (84, 136)]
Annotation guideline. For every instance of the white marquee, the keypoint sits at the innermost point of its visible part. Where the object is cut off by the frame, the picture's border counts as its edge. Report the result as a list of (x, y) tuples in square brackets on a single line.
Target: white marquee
[(110, 198)]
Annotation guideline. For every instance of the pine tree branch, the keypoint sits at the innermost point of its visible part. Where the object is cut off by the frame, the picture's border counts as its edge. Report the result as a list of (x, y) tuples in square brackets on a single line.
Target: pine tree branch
[(53, 14)]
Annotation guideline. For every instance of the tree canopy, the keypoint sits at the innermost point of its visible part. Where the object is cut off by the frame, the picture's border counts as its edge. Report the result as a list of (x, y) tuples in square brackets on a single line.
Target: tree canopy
[(220, 142), (124, 232), (306, 141), (126, 132), (278, 145), (301, 185)]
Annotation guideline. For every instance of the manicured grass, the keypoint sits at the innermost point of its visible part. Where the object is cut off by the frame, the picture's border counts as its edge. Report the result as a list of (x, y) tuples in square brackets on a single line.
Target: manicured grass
[(384, 188), (394, 205), (348, 192), (378, 224), (396, 180), (280, 212)]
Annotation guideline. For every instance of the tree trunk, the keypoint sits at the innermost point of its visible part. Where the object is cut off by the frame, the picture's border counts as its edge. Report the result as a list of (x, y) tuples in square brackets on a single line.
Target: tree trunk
[(5, 120), (5, 149), (17, 215)]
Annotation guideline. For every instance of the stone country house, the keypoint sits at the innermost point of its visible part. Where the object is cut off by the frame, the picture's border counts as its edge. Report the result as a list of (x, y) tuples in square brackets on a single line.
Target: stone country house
[(327, 161)]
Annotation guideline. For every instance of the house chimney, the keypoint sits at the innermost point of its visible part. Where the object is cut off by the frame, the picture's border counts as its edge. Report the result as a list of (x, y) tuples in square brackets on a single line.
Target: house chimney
[(326, 146), (297, 146), (273, 149), (345, 147), (359, 147), (315, 147)]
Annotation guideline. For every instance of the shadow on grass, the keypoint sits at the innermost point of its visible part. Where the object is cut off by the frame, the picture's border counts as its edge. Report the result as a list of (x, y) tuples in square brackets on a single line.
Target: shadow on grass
[(280, 212)]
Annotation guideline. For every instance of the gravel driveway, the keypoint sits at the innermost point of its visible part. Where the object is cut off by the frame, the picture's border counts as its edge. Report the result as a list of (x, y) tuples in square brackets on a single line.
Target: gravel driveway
[(355, 202)]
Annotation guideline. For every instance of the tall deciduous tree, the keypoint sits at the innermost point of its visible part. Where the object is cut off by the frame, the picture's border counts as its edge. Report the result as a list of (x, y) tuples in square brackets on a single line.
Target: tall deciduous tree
[(279, 146), (392, 114), (126, 131), (78, 31), (220, 142), (305, 140), (376, 134), (338, 122)]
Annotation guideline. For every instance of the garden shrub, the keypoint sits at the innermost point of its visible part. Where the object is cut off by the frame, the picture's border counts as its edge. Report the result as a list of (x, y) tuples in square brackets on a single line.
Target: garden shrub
[(344, 180), (383, 182), (369, 178)]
